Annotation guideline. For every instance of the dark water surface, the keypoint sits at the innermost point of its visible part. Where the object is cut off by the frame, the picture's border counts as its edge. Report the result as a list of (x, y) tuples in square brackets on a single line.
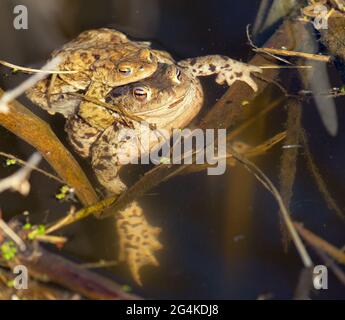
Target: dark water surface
[(221, 234)]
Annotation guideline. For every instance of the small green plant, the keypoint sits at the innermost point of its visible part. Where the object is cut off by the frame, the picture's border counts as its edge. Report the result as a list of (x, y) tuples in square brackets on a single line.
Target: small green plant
[(38, 231), (64, 192), (10, 283), (10, 162), (126, 288), (27, 226), (8, 250), (164, 160)]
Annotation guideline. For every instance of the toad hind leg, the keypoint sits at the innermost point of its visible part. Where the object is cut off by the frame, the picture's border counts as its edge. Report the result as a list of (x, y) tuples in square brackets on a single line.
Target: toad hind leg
[(227, 69), (137, 238)]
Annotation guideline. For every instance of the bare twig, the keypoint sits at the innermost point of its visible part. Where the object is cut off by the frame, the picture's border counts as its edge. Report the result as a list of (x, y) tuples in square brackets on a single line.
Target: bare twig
[(99, 264), (19, 180), (9, 96), (257, 48), (332, 265), (287, 53), (81, 214), (31, 70), (6, 229), (34, 168), (319, 243), (266, 182)]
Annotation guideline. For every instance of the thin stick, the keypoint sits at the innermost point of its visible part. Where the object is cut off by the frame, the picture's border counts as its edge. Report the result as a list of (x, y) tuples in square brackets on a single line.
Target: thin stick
[(332, 265), (99, 264), (321, 244), (31, 70), (320, 182), (81, 214), (287, 53), (11, 234), (256, 48), (19, 180), (51, 239), (285, 67), (266, 182), (29, 165), (235, 132), (265, 146), (27, 84)]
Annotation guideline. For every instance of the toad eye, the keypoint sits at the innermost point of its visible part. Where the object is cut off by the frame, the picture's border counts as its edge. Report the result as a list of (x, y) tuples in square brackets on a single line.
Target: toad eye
[(125, 70), (178, 74), (141, 93), (175, 74)]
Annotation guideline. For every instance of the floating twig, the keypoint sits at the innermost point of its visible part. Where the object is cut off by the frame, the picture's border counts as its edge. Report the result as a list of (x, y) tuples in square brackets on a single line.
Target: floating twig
[(288, 53)]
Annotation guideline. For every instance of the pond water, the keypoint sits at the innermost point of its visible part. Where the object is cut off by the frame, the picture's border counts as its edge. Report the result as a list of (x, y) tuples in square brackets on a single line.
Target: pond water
[(221, 234)]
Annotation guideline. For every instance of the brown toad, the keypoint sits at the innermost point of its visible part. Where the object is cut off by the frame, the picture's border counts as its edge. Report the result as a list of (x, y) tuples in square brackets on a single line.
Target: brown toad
[(101, 60), (169, 99), (105, 58)]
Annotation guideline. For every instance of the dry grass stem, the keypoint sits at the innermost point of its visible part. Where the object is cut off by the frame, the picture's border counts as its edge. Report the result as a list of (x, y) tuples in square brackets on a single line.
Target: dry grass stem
[(34, 168), (19, 180), (11, 95), (288, 53)]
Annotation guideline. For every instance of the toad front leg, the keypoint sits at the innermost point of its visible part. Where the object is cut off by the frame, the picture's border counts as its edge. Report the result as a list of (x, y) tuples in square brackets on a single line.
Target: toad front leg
[(227, 69), (106, 159), (95, 115)]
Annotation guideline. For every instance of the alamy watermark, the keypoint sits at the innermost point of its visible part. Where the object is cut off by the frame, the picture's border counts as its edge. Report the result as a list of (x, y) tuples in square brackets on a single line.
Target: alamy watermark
[(320, 277), (145, 145), (320, 11), (21, 20), (21, 279)]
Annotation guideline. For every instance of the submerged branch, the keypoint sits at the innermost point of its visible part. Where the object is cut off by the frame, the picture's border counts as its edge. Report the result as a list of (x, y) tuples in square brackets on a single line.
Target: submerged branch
[(289, 159), (320, 182), (46, 266), (267, 183)]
